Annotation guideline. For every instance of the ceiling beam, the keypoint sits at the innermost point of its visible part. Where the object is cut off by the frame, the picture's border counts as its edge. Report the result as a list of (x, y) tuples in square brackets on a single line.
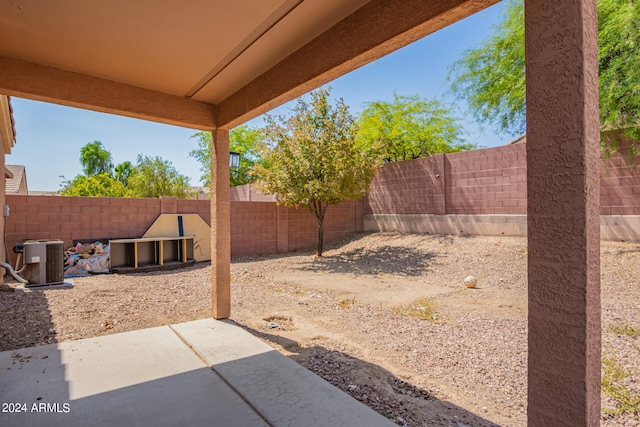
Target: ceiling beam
[(374, 30), (42, 83)]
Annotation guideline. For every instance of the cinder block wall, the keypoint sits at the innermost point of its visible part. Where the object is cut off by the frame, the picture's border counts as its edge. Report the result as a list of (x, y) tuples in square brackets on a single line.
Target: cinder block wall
[(249, 193), (340, 220), (253, 228), (200, 207), (256, 227), (480, 182), (410, 187), (77, 218), (264, 227), (620, 183), (488, 181)]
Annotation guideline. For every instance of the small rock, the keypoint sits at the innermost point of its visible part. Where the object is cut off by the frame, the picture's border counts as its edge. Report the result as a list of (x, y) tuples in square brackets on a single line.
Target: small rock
[(470, 282)]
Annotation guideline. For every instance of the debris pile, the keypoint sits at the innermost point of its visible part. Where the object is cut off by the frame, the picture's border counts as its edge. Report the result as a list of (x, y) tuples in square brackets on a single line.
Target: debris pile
[(86, 258)]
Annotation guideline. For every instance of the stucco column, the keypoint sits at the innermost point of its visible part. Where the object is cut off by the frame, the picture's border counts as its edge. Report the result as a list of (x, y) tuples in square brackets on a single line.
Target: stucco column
[(220, 226), (563, 176), (3, 184)]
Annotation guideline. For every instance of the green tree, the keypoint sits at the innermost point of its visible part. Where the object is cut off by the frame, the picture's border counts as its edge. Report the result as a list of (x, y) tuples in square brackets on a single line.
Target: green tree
[(410, 127), (619, 65), (244, 140), (95, 159), (100, 185), (124, 171), (315, 161), (491, 78), (156, 177)]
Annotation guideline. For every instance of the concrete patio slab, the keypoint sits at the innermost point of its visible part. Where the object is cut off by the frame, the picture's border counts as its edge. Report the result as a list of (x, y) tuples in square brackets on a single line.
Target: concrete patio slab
[(146, 377), (285, 393), (199, 373)]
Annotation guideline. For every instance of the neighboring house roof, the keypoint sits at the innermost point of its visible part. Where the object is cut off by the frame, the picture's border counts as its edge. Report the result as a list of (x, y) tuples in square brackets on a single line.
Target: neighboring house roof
[(17, 182), (7, 124)]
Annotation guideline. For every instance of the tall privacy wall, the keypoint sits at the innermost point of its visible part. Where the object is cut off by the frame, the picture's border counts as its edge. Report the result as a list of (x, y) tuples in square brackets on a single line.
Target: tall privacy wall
[(476, 192), (256, 227), (485, 192)]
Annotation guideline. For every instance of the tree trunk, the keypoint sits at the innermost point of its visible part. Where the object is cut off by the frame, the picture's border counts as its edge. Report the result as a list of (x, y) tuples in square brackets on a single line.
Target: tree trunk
[(320, 235), (319, 209)]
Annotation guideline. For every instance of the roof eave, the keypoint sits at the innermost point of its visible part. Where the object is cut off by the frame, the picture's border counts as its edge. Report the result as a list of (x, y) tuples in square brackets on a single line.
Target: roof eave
[(7, 124)]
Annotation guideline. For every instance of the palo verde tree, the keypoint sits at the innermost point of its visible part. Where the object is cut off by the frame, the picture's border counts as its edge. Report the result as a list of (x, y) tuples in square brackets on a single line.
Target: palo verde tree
[(101, 185), (155, 177), (410, 127), (97, 180), (491, 78), (619, 66), (315, 160), (244, 140), (151, 177)]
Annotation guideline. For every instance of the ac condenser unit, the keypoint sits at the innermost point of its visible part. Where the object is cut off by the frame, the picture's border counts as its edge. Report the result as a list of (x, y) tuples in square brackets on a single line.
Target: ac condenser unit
[(44, 262)]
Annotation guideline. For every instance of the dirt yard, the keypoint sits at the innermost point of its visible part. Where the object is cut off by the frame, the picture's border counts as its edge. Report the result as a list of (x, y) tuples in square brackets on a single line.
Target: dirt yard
[(385, 317)]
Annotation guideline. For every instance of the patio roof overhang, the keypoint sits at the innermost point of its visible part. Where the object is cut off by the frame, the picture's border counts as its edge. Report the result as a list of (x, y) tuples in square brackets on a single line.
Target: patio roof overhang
[(201, 64)]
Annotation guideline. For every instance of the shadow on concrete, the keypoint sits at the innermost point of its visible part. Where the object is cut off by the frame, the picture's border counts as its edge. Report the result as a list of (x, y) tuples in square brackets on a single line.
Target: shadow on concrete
[(397, 260), (396, 399), (50, 392), (25, 319), (29, 378)]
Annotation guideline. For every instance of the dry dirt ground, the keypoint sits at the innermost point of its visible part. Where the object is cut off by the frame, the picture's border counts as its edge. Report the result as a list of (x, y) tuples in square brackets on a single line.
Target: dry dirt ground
[(345, 317)]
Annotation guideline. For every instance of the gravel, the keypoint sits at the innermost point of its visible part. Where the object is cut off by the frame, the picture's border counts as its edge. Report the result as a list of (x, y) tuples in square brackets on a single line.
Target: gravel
[(469, 369)]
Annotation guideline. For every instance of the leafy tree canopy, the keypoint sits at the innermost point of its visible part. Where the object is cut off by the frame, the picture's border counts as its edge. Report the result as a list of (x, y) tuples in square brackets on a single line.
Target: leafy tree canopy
[(491, 78), (95, 159), (242, 139), (315, 160), (124, 171), (410, 127), (150, 177), (156, 177), (101, 185), (619, 63)]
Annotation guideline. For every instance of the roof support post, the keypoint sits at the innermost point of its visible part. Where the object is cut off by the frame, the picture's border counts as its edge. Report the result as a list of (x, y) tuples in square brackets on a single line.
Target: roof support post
[(563, 212), (3, 190), (220, 226)]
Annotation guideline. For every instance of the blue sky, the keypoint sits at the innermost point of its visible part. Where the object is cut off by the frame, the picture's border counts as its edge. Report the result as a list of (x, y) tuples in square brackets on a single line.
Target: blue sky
[(49, 137)]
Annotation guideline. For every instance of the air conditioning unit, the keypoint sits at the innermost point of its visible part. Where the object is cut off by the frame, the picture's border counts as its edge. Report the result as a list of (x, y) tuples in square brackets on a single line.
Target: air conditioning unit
[(44, 262)]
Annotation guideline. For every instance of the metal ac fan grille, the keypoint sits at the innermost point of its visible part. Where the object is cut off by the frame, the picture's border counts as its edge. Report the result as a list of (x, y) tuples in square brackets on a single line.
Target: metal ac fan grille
[(55, 263)]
